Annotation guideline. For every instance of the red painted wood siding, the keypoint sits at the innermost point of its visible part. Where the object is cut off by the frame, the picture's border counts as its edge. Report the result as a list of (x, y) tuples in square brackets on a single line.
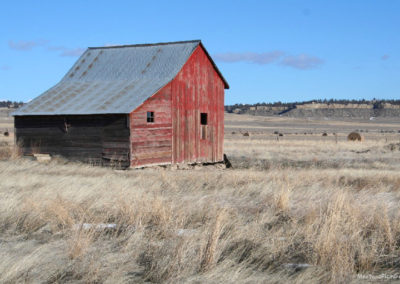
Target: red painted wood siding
[(151, 143), (175, 135), (197, 89)]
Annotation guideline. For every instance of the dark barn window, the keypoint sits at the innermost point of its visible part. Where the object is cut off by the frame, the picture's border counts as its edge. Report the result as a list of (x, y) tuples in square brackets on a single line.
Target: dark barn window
[(203, 118), (150, 116), (203, 122)]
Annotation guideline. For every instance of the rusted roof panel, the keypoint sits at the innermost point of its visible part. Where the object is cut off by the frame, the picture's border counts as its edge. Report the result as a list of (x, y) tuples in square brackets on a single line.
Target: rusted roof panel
[(112, 79)]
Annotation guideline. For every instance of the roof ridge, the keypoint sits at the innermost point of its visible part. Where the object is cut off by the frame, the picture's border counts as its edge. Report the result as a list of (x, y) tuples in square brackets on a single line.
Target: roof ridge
[(144, 44)]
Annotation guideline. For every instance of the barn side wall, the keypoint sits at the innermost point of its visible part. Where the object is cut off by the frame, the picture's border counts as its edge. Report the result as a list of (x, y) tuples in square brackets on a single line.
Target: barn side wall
[(151, 143), (97, 139), (197, 89)]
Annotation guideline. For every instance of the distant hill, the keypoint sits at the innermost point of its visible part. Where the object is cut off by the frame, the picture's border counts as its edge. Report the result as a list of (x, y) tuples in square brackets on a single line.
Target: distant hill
[(10, 104), (362, 109)]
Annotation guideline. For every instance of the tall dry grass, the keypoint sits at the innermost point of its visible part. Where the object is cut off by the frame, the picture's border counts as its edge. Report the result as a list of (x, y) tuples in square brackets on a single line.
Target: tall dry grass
[(293, 210), (251, 224)]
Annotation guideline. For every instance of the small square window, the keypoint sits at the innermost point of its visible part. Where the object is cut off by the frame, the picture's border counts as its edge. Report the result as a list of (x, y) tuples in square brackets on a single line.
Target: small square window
[(203, 118), (150, 116)]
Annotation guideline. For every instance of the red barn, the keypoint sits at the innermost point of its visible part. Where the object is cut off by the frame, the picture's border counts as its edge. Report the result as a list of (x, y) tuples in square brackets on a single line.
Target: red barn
[(132, 105)]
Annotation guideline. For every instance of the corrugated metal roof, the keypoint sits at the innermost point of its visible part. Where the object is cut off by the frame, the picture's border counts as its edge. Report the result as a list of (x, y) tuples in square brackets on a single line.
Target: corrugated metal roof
[(113, 79)]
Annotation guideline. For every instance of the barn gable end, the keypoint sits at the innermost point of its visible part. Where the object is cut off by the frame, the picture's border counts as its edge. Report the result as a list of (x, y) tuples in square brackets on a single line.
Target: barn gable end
[(198, 89)]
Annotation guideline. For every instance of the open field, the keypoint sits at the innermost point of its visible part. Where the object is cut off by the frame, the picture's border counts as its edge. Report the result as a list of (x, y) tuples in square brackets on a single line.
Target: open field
[(294, 208), (382, 129)]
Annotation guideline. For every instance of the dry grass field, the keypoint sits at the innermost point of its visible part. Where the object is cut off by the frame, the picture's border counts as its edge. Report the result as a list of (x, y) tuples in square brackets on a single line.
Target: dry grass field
[(300, 207)]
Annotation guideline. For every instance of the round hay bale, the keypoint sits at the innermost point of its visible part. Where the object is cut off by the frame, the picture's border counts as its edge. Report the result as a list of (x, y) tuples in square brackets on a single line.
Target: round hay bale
[(324, 134), (354, 136), (246, 134)]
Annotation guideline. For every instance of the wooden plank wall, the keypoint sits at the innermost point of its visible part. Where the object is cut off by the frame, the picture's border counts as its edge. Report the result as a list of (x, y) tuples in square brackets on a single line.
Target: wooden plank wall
[(151, 143), (97, 139), (197, 89)]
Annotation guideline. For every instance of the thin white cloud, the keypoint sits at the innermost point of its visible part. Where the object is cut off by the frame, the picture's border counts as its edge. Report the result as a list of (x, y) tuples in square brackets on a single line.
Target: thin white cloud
[(385, 57), (302, 61), (66, 51), (72, 52), (23, 45), (252, 57)]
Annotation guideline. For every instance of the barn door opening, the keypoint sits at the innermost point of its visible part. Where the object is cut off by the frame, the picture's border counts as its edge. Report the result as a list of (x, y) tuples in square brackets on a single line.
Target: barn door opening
[(115, 141)]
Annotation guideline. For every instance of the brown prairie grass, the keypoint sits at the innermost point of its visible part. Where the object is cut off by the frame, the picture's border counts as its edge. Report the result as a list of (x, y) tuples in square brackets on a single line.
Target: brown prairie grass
[(211, 247), (79, 242), (290, 211)]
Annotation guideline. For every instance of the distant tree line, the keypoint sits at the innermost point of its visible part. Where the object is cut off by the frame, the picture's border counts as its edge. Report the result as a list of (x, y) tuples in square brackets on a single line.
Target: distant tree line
[(377, 104), (10, 104)]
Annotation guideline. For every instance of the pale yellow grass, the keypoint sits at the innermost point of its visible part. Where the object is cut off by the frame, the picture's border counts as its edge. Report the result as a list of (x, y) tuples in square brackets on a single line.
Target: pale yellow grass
[(208, 225), (311, 153), (289, 211)]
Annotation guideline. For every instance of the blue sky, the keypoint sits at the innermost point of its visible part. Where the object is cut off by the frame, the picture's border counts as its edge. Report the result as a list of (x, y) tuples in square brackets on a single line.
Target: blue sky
[(267, 50)]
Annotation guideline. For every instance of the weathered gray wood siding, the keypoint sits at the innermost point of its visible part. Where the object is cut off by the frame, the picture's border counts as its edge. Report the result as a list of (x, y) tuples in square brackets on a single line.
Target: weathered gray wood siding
[(97, 139)]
